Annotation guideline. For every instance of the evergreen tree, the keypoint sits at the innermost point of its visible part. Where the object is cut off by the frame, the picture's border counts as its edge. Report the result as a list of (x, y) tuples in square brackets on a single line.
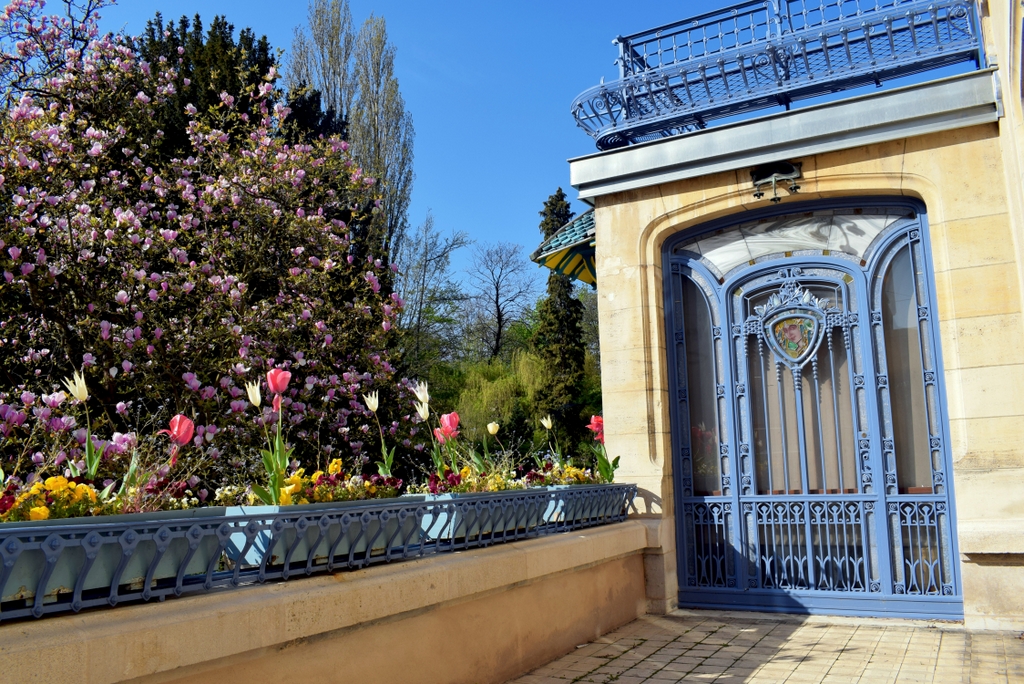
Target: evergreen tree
[(309, 120), (559, 341), (208, 63)]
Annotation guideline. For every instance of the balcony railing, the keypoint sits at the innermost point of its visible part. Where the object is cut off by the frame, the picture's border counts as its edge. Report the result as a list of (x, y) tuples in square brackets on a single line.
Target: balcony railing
[(64, 566), (679, 77)]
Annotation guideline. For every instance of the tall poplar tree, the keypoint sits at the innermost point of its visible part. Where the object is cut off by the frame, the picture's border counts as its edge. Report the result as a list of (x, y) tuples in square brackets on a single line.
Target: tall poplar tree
[(559, 340), (354, 72)]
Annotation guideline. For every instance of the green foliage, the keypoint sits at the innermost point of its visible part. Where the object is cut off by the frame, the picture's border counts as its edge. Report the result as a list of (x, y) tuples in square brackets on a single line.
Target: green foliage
[(556, 213), (309, 119), (207, 64), (502, 392), (606, 468)]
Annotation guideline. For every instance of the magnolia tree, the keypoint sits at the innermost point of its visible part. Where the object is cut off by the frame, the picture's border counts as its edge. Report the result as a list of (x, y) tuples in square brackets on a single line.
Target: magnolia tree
[(170, 285)]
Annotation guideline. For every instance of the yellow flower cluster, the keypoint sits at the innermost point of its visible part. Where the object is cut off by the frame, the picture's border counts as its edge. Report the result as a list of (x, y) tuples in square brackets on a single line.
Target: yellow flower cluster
[(55, 497), (570, 474), (294, 486)]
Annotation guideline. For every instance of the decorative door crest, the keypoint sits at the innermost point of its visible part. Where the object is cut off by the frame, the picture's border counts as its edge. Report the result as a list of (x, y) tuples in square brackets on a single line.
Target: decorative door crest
[(792, 323)]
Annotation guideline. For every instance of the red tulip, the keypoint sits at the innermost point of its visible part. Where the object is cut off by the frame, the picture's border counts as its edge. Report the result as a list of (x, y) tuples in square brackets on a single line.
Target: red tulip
[(180, 434), (181, 430), (277, 380), (596, 425)]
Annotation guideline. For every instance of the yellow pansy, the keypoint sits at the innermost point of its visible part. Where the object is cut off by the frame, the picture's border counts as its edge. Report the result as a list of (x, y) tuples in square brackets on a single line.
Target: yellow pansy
[(56, 484), (315, 476), (39, 513), (465, 472), (285, 499), (335, 467)]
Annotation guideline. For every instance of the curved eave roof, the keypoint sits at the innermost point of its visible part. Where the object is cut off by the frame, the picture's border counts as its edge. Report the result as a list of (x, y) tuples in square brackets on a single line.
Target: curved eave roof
[(570, 251)]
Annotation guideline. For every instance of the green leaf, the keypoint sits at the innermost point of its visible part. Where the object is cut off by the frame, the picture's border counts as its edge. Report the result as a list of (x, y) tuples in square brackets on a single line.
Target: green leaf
[(106, 491), (92, 457), (263, 494), (129, 478)]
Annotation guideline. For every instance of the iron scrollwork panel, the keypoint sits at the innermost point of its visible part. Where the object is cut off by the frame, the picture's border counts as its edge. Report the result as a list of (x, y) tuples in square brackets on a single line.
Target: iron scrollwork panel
[(709, 534)]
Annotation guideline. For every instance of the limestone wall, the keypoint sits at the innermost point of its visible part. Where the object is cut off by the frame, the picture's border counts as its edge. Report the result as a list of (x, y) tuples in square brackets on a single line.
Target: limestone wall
[(474, 617), (976, 237)]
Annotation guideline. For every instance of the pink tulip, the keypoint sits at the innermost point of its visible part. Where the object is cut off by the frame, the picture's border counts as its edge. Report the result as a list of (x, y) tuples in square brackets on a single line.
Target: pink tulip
[(181, 430), (277, 402), (439, 436), (449, 427), (180, 434), (277, 380)]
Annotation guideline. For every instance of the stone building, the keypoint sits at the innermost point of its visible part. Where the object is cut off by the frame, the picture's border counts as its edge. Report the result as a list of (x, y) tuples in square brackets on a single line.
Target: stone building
[(811, 333)]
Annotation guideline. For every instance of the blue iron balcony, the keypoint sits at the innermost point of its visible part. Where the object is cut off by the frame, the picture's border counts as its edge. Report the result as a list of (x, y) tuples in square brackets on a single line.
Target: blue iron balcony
[(767, 53)]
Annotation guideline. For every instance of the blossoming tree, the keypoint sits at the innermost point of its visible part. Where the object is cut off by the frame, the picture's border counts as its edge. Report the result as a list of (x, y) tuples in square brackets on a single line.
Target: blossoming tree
[(169, 284)]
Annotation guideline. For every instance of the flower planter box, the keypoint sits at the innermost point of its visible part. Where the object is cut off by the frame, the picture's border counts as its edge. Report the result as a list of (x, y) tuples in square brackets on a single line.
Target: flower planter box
[(488, 515), (65, 565), (288, 535), (584, 504), (462, 516), (108, 554)]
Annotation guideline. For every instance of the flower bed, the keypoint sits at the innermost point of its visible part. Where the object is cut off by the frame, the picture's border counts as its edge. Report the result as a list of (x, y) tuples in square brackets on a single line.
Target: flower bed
[(67, 488), (66, 544)]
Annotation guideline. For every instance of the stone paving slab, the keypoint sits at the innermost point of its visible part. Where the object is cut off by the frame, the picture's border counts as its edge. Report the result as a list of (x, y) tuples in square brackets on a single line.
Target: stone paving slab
[(733, 647)]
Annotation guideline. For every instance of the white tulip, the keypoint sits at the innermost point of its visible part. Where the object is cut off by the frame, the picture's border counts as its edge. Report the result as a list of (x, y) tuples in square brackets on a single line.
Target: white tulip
[(253, 389), (76, 387), (422, 395)]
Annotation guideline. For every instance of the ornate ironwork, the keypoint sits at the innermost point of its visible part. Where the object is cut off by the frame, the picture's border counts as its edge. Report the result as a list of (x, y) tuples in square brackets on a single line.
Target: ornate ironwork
[(679, 77), (921, 562), (793, 322), (823, 518), (70, 565), (709, 560)]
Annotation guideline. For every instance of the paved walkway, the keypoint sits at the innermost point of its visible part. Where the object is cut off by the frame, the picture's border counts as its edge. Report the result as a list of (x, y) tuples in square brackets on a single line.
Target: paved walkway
[(735, 647)]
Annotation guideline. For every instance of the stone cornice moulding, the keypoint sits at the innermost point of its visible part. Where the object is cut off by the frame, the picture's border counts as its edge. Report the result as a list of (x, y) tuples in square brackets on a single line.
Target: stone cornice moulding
[(946, 104)]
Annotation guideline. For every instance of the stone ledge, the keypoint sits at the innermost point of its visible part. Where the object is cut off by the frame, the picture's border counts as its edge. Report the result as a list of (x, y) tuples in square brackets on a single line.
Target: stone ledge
[(149, 639), (985, 537)]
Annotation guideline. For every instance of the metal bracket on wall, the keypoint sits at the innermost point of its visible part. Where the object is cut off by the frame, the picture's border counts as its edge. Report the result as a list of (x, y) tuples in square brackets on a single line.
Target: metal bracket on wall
[(775, 174)]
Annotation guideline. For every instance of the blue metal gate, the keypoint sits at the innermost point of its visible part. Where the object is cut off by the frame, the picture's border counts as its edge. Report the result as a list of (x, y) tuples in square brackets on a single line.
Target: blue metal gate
[(811, 461)]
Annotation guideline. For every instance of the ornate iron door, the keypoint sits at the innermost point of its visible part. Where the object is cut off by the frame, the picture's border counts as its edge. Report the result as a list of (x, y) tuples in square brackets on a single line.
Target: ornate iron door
[(809, 426)]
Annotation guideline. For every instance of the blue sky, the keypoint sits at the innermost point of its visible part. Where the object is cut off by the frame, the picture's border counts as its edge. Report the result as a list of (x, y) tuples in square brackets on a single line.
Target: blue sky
[(489, 86)]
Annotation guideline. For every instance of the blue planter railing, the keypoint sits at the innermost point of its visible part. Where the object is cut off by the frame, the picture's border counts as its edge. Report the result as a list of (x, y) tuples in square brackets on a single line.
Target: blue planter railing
[(766, 53), (59, 566)]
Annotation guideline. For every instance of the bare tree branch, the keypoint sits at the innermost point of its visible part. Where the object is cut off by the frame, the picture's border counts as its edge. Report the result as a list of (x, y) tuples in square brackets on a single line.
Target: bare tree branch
[(503, 286)]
